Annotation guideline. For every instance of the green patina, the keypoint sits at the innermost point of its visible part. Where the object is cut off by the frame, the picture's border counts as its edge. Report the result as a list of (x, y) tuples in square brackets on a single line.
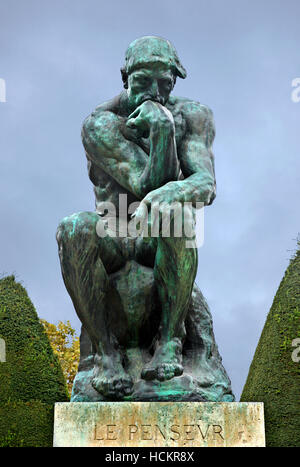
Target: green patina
[(74, 226), (136, 293)]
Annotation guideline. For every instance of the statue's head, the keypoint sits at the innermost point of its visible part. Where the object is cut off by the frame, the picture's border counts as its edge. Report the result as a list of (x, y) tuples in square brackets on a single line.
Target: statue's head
[(150, 70)]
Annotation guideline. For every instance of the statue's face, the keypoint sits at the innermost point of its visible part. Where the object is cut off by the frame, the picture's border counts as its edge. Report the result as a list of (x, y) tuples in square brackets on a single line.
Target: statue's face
[(153, 84)]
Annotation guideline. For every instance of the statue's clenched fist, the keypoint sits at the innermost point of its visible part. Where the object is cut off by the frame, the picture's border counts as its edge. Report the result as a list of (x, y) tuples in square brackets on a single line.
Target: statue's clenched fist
[(150, 115)]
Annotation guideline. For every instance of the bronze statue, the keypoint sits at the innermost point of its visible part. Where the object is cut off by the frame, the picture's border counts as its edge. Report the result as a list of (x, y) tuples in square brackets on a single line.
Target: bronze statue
[(146, 328)]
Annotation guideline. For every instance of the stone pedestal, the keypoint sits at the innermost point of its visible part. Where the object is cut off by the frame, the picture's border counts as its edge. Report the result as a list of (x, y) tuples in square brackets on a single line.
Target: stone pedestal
[(159, 424)]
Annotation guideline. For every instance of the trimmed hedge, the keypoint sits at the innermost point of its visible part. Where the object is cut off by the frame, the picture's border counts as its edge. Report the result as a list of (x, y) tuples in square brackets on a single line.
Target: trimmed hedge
[(26, 424), (274, 378), (31, 379)]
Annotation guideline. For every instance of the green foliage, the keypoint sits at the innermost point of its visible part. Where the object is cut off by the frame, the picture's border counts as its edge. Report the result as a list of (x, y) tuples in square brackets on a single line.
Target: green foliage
[(31, 374), (26, 424), (274, 378)]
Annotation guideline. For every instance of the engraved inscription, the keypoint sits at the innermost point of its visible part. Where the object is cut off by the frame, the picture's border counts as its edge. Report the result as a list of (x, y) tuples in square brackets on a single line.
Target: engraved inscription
[(148, 432)]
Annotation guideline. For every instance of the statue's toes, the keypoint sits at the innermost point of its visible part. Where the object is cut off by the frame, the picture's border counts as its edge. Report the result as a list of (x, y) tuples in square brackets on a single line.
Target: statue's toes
[(168, 371), (128, 389), (165, 372), (124, 387), (120, 387), (113, 388), (162, 372), (117, 384)]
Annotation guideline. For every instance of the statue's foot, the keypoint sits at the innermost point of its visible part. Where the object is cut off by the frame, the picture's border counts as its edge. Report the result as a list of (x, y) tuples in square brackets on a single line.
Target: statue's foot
[(111, 380), (166, 362)]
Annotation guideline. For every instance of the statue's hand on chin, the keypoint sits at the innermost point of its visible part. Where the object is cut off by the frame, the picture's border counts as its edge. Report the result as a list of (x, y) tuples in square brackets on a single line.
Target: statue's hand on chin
[(149, 115)]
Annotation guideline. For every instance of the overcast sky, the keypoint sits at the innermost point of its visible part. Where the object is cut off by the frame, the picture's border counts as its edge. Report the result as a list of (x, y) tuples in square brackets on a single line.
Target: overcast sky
[(60, 59)]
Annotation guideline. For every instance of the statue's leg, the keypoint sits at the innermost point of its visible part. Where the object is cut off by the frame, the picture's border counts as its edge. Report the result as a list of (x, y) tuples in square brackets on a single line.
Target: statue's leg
[(174, 272), (85, 261)]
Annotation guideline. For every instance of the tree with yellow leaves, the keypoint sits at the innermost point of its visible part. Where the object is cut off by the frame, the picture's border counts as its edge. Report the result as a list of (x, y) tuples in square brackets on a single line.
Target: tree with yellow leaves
[(65, 344)]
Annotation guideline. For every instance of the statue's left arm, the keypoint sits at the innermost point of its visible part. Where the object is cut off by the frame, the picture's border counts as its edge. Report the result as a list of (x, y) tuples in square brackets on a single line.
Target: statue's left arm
[(196, 156), (196, 161)]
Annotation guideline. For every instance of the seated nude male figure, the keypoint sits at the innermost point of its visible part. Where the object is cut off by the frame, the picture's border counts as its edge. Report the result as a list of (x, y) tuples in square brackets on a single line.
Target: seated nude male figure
[(155, 148)]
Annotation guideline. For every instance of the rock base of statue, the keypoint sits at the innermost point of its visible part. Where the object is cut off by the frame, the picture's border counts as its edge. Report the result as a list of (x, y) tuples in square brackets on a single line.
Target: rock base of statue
[(159, 424), (204, 377)]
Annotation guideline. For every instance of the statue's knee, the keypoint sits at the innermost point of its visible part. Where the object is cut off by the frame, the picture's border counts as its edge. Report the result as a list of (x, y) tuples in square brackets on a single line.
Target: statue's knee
[(77, 225)]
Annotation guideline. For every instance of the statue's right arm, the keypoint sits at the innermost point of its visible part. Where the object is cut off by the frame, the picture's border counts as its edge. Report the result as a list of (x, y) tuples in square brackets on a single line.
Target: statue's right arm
[(106, 147)]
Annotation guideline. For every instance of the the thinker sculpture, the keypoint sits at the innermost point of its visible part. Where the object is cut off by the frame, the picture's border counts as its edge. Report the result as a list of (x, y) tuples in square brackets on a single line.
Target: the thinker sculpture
[(146, 328)]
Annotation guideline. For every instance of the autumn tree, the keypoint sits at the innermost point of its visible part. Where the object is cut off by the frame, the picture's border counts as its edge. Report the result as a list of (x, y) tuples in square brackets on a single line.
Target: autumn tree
[(65, 344)]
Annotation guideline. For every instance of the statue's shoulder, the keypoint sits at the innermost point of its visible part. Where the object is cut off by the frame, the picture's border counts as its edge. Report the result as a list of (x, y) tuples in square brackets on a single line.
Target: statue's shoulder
[(193, 112), (112, 106)]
